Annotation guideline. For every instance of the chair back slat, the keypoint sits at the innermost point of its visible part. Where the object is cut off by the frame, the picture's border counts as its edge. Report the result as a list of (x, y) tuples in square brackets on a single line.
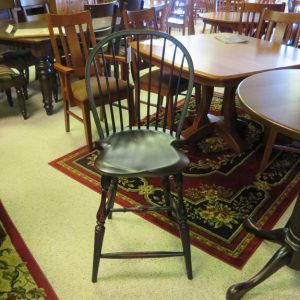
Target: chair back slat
[(280, 27), (121, 66), (251, 14), (142, 19), (76, 36)]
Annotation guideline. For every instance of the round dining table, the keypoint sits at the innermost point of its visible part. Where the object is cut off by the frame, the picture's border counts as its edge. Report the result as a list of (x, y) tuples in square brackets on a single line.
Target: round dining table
[(274, 99)]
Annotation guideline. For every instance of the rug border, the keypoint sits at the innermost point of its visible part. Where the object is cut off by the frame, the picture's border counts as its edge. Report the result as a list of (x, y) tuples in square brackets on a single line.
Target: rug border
[(24, 252)]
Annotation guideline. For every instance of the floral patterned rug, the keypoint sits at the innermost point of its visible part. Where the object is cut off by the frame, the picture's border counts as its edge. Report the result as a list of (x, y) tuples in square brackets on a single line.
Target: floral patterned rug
[(221, 188), (20, 275)]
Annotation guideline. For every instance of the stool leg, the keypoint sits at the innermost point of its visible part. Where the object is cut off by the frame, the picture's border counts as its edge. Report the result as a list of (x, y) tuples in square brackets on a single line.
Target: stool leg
[(167, 195), (112, 196), (183, 226), (100, 228)]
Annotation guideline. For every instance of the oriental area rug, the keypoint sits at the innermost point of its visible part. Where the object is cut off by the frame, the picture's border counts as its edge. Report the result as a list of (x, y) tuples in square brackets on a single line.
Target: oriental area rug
[(221, 188), (20, 275)]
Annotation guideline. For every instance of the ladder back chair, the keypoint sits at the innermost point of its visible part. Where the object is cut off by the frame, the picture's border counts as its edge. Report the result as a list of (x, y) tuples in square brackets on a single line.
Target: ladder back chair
[(148, 149), (279, 27), (103, 10), (146, 19), (251, 14), (76, 36)]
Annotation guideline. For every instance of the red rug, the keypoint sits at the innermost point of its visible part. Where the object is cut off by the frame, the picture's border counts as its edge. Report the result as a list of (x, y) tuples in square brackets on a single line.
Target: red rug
[(21, 276), (221, 188)]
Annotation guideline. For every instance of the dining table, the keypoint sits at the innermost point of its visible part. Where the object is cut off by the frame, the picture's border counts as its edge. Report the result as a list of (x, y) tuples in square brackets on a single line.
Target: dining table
[(225, 20), (222, 64), (273, 98), (35, 37)]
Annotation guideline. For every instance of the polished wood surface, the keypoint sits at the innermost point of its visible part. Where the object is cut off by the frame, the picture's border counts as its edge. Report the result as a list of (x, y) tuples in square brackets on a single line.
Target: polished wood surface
[(229, 20), (219, 63), (273, 98), (225, 65)]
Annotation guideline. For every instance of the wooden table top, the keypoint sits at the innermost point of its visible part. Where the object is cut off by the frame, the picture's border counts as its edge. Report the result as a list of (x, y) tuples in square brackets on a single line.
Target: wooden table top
[(224, 17), (4, 36), (217, 63), (273, 97)]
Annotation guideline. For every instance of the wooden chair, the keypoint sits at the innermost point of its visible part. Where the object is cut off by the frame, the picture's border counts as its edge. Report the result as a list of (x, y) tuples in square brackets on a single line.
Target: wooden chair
[(199, 7), (146, 150), (229, 6), (180, 15), (251, 14), (34, 10), (210, 5), (146, 19), (103, 10), (279, 27), (76, 34), (11, 79)]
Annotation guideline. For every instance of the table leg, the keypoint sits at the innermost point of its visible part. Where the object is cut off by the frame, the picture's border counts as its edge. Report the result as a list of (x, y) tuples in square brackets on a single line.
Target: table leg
[(288, 254), (44, 69), (268, 148), (201, 124), (227, 128)]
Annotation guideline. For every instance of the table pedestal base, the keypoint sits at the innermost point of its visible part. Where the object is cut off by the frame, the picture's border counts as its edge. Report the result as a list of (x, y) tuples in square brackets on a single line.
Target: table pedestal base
[(287, 255), (204, 123)]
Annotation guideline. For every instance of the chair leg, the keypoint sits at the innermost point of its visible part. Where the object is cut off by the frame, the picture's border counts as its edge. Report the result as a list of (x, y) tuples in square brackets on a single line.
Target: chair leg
[(21, 101), (167, 194), (100, 227), (183, 226), (9, 97), (87, 125), (66, 114), (112, 196)]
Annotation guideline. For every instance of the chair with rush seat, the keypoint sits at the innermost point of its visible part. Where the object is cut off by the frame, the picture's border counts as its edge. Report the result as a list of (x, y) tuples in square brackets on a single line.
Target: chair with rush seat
[(148, 149)]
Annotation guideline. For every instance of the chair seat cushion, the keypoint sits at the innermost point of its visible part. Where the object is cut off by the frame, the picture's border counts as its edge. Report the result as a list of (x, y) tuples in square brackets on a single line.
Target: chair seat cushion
[(140, 152), (156, 78), (7, 73), (80, 93)]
